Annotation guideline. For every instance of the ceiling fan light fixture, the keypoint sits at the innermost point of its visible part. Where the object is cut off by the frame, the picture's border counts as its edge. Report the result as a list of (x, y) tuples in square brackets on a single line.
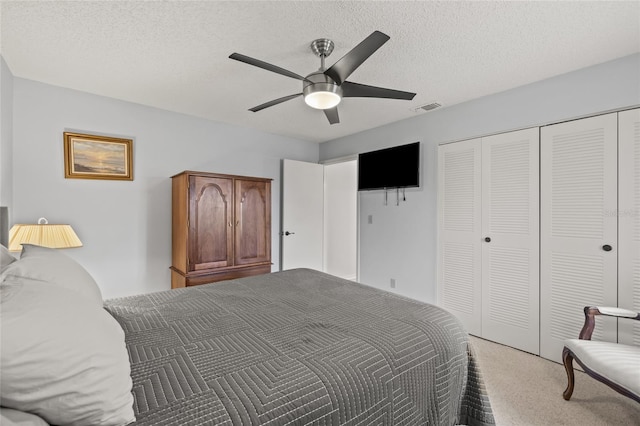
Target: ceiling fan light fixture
[(321, 93), (322, 99)]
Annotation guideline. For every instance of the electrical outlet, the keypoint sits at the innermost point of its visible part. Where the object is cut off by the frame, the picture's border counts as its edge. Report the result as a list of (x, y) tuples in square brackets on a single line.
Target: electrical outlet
[(370, 219), (393, 283)]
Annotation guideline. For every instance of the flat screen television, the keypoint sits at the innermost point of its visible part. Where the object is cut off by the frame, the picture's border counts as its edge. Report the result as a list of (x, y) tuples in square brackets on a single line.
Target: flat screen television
[(395, 167)]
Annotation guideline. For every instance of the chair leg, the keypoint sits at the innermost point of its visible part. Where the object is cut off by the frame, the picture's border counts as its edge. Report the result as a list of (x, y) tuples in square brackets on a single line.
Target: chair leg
[(567, 359)]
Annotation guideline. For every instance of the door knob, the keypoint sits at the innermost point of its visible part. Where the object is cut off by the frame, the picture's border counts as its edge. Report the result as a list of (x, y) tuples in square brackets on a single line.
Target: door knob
[(606, 247), (289, 233), (487, 239)]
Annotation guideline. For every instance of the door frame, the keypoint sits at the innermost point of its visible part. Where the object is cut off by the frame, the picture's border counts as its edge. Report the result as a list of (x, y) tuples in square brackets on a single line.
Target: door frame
[(327, 162), (344, 159)]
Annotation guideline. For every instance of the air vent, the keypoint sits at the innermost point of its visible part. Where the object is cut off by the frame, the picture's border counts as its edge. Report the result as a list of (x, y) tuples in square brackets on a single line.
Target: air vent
[(428, 107)]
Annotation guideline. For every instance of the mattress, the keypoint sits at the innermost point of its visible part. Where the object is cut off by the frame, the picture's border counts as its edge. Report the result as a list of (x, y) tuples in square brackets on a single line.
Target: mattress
[(297, 347)]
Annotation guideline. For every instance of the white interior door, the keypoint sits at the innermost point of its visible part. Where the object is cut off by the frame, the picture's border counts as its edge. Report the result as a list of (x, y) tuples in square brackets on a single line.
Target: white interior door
[(629, 223), (302, 215), (578, 228), (510, 239), (459, 233)]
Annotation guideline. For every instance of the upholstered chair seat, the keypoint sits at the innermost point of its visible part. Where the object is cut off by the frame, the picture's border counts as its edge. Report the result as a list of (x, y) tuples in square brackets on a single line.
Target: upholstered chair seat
[(614, 364), (619, 363)]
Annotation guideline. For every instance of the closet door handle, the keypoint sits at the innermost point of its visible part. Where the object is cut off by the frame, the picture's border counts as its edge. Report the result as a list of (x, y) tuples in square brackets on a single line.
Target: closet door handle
[(487, 239), (606, 247)]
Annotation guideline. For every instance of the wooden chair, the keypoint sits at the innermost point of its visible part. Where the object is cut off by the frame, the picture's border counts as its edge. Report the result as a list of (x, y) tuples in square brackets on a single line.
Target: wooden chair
[(614, 364)]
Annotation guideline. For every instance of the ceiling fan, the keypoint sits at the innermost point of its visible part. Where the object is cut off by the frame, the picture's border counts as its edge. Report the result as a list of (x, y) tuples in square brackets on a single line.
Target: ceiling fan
[(325, 88)]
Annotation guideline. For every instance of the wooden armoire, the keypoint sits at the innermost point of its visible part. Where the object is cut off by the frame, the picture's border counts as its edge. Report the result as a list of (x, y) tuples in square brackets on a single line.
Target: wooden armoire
[(221, 227)]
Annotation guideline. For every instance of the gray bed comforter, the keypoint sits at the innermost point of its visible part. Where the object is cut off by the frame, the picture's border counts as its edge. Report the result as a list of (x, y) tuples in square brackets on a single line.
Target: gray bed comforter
[(297, 347)]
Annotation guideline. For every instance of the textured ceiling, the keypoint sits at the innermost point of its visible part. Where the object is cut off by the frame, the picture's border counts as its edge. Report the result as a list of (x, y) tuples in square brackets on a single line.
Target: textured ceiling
[(174, 54)]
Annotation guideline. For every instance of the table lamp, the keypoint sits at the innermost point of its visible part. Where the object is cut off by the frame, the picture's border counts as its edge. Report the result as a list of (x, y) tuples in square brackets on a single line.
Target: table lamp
[(43, 234)]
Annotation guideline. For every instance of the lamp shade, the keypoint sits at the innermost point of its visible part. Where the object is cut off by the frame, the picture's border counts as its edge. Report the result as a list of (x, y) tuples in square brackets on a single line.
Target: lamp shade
[(43, 234)]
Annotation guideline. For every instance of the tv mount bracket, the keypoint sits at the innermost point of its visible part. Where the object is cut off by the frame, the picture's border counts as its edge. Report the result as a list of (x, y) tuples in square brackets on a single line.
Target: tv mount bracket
[(386, 196)]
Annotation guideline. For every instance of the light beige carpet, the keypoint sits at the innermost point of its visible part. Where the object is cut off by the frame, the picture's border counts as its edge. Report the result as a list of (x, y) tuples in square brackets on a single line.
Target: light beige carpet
[(525, 389)]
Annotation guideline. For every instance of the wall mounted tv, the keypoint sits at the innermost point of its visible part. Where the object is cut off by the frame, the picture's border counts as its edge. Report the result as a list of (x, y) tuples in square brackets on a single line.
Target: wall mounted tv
[(395, 167)]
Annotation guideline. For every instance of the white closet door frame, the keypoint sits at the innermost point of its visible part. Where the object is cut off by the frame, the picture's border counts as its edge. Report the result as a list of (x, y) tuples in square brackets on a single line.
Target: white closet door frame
[(578, 204), (459, 232), (629, 223), (340, 247), (510, 221)]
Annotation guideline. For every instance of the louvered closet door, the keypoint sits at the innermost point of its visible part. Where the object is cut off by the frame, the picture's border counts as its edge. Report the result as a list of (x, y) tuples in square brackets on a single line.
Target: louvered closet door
[(510, 239), (578, 200), (629, 223), (459, 251)]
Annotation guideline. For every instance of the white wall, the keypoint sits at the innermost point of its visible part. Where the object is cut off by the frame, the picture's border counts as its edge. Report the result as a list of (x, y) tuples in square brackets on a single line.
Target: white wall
[(6, 135), (340, 219), (126, 226), (401, 241)]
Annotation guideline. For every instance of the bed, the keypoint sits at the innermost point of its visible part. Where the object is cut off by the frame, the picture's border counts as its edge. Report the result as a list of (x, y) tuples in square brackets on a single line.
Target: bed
[(295, 347)]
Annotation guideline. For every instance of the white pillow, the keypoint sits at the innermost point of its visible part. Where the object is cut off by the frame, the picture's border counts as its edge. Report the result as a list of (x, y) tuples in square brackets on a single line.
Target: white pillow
[(11, 417), (6, 258), (62, 358), (55, 267)]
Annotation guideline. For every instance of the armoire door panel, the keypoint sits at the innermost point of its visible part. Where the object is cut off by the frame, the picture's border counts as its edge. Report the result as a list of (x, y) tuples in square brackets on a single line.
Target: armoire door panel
[(210, 223), (629, 223), (510, 239), (253, 221), (459, 272), (578, 187)]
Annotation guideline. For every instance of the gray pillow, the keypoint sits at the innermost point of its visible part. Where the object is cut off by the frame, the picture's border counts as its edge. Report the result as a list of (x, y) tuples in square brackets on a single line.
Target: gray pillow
[(6, 258), (54, 267), (62, 358)]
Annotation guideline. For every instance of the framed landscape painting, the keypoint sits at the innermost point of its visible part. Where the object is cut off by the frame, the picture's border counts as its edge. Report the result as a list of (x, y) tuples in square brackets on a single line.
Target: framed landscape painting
[(97, 157)]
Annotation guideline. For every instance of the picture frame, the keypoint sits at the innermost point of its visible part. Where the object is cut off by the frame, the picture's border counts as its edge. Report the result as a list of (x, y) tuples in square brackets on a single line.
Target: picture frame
[(97, 157)]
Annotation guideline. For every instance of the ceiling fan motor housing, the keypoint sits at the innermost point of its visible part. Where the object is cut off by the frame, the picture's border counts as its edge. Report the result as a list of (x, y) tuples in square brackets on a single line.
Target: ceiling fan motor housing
[(318, 81)]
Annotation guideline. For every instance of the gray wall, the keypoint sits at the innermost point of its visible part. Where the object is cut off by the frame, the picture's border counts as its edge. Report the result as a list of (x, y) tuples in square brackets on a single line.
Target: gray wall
[(6, 136), (401, 241), (126, 226)]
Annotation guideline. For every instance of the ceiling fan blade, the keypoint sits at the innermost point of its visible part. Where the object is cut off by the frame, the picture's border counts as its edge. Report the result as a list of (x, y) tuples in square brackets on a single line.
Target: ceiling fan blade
[(332, 115), (265, 65), (356, 90), (274, 102), (342, 69)]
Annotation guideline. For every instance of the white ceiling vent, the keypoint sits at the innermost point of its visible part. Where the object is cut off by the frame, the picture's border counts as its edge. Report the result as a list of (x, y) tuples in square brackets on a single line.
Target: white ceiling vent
[(428, 107)]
